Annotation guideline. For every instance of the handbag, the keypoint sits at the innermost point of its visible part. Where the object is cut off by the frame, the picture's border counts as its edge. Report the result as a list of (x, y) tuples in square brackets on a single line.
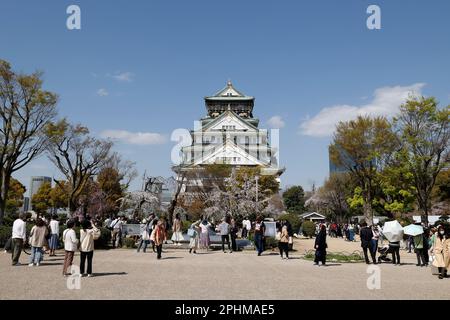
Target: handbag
[(145, 235), (291, 240), (278, 236)]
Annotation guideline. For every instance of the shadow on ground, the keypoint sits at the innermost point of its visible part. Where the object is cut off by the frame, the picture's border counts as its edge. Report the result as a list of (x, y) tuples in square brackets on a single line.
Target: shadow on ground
[(103, 274)]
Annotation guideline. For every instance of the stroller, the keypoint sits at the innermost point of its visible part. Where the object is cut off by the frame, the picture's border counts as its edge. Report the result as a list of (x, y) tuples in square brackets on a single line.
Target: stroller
[(384, 251)]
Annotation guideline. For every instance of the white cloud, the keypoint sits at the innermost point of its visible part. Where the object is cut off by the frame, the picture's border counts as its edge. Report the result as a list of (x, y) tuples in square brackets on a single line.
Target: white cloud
[(386, 102), (102, 92), (138, 138), (276, 122), (124, 76)]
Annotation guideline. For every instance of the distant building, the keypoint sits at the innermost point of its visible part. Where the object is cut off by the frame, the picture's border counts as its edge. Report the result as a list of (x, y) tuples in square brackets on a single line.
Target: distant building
[(36, 183), (26, 204), (335, 168)]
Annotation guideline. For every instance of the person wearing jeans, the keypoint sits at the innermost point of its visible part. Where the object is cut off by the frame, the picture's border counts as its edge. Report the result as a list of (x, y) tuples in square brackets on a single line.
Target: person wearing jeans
[(38, 236), (88, 234), (19, 235), (224, 229)]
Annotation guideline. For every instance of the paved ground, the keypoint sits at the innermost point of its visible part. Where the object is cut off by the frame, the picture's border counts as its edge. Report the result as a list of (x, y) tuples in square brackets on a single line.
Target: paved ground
[(124, 274)]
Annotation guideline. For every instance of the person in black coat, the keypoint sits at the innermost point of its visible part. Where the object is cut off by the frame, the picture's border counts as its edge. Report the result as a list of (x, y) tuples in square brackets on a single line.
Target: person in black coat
[(321, 246), (366, 236)]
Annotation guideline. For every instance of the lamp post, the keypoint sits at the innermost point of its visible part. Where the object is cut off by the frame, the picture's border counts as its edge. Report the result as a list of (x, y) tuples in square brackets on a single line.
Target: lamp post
[(256, 179)]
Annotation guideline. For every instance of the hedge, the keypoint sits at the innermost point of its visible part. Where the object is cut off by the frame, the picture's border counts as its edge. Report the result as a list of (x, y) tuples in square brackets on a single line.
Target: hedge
[(308, 229)]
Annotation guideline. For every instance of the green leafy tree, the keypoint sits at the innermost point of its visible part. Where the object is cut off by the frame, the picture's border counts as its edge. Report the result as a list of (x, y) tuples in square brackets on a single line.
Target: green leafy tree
[(362, 146), (109, 183), (15, 196), (441, 190), (294, 199), (396, 182), (25, 110), (267, 184), (41, 200), (425, 133), (59, 195)]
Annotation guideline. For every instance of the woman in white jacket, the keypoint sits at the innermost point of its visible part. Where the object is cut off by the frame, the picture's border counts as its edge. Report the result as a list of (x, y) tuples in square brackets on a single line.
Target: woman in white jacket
[(88, 234), (70, 245)]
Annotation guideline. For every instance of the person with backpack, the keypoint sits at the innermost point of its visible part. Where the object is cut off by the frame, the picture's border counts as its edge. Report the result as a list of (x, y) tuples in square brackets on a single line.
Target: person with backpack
[(70, 246), (419, 249), (88, 234)]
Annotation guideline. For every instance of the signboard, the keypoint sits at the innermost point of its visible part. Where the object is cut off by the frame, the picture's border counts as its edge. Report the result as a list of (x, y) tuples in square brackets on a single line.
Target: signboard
[(271, 229), (132, 229)]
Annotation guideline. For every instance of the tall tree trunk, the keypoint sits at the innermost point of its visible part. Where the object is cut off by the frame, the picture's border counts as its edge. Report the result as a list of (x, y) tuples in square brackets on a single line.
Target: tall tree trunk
[(4, 195), (367, 207)]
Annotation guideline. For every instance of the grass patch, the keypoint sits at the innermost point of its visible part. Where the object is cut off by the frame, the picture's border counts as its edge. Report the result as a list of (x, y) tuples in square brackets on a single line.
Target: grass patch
[(343, 257)]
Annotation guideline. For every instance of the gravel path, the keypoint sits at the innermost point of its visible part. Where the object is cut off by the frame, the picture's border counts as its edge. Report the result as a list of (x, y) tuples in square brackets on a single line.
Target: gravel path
[(124, 274)]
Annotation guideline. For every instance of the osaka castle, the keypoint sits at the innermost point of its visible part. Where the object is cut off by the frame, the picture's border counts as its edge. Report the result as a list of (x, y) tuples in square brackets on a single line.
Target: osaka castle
[(229, 134)]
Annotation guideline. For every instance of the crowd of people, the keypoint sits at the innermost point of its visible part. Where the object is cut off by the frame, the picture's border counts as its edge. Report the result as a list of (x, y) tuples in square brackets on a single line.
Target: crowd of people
[(433, 245)]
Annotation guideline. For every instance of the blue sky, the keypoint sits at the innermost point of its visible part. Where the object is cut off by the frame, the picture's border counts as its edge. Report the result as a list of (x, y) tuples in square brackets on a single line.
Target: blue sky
[(145, 66)]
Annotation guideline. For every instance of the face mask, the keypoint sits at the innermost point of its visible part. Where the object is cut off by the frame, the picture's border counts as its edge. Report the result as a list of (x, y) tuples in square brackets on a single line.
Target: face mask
[(442, 232)]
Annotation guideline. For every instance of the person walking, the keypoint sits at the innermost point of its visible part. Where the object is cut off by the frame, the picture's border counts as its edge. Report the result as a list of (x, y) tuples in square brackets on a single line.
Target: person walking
[(283, 242), (159, 236), (246, 227), (441, 250), (19, 237), (419, 250), (116, 233), (145, 236), (204, 234), (410, 244), (38, 239), (224, 230), (53, 242), (233, 234), (260, 229), (321, 246), (70, 246), (394, 247), (88, 233), (366, 235), (177, 235), (194, 233), (375, 238)]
